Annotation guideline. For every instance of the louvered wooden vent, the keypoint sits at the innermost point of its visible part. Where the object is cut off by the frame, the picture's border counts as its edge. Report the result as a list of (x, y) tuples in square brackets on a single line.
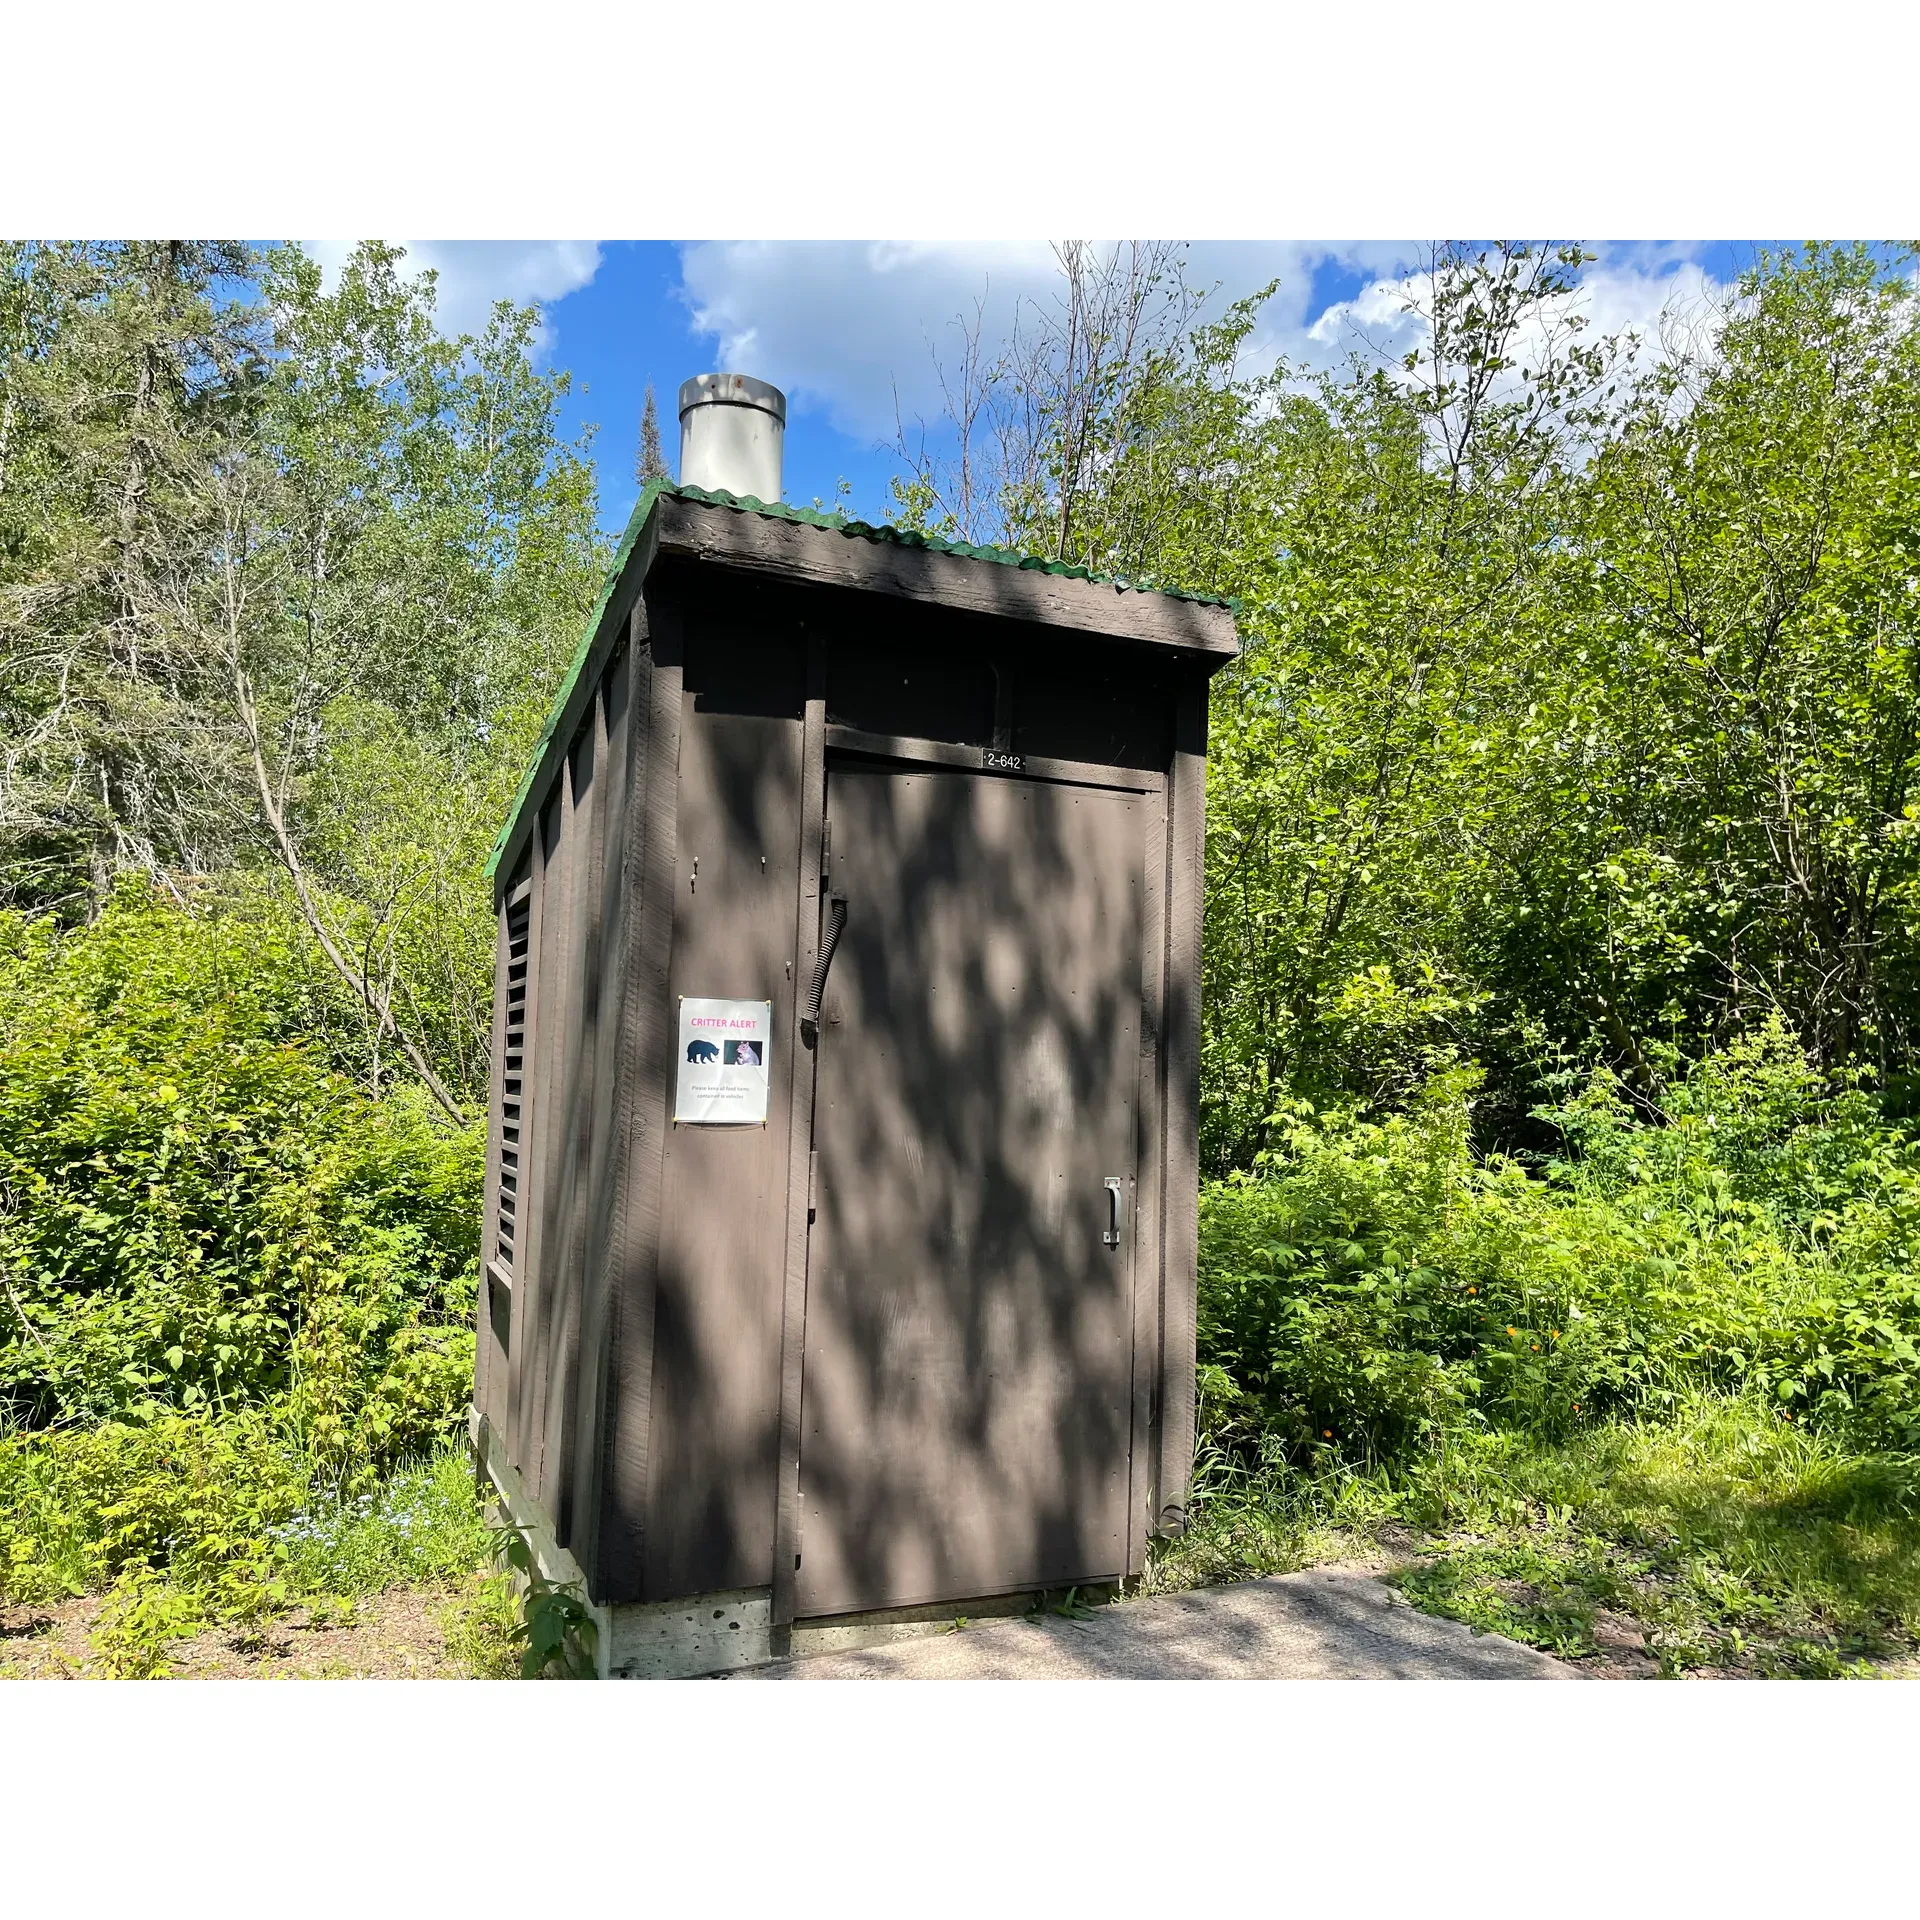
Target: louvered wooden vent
[(512, 1083)]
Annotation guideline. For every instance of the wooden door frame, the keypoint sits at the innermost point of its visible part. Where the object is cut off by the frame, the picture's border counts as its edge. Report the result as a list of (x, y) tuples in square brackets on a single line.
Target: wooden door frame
[(802, 1062)]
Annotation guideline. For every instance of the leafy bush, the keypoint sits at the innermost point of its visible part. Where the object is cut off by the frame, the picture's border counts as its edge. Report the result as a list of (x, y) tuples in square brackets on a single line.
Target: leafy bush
[(199, 1214), (1371, 1289), (237, 1289), (1322, 1324), (191, 1497)]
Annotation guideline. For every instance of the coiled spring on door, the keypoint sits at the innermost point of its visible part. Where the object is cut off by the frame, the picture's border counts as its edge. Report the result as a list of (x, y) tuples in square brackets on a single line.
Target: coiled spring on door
[(836, 925)]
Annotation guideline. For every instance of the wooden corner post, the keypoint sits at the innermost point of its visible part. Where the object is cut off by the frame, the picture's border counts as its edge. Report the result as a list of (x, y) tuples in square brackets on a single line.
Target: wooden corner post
[(793, 1315), (1186, 838)]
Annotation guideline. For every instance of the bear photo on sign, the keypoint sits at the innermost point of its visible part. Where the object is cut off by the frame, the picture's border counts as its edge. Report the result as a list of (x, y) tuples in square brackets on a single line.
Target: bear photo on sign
[(702, 1052)]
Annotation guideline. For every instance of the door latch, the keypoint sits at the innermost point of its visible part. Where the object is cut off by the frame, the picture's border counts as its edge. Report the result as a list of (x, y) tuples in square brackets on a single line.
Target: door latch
[(1111, 1237)]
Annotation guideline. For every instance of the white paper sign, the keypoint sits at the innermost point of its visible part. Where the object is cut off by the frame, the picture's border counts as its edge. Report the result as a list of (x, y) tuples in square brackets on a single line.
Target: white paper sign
[(722, 1080)]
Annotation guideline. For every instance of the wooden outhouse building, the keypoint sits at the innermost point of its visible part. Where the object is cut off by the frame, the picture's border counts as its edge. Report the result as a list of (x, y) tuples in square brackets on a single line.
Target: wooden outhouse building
[(840, 1235)]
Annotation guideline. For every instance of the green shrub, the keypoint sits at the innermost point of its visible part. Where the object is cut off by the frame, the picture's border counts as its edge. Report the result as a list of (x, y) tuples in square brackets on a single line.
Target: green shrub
[(238, 1290), (483, 1626), (144, 1617), (1322, 1323), (193, 1498), (1371, 1289), (228, 1510), (199, 1213)]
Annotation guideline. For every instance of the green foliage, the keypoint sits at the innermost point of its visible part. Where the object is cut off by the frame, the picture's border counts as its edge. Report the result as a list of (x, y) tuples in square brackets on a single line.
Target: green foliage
[(188, 1497), (124, 368), (144, 1616), (200, 1214), (191, 1519), (1249, 1517), (287, 579), (1577, 714), (1671, 1377), (421, 1527), (482, 1624), (1575, 736), (1717, 1534), (556, 1631), (1752, 520), (1323, 1326), (1735, 1538), (238, 1292), (424, 550), (229, 1508), (1373, 1291)]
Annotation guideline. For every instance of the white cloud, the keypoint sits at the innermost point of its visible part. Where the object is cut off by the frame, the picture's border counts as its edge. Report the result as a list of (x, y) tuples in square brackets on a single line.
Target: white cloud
[(836, 324), (1632, 292), (840, 324), (473, 274)]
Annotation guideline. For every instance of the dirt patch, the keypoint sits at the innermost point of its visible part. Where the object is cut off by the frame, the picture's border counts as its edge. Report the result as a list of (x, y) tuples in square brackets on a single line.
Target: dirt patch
[(1518, 1593), (1908, 1669), (24, 1623), (401, 1635), (1621, 1651)]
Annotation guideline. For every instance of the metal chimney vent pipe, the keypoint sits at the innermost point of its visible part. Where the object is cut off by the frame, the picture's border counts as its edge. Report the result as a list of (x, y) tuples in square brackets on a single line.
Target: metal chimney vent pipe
[(732, 428)]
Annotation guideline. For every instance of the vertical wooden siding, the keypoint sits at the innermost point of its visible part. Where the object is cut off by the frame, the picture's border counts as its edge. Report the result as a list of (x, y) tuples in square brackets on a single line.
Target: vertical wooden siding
[(799, 1091), (714, 1447), (532, 1394), (645, 1053), (588, 785), (1149, 1237), (578, 1520)]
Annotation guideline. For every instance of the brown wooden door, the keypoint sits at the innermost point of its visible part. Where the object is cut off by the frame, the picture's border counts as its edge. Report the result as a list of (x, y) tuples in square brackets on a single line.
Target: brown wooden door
[(968, 1361)]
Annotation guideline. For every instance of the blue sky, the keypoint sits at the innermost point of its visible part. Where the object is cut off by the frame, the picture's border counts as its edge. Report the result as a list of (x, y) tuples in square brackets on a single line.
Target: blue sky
[(634, 323), (850, 329)]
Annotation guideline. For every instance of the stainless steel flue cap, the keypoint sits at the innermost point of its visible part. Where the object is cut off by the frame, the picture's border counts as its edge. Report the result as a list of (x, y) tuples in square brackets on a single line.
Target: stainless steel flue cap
[(732, 390)]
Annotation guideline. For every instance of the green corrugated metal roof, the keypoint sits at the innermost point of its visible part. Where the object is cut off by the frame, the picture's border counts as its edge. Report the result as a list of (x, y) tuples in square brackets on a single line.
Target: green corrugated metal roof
[(884, 535), (880, 534)]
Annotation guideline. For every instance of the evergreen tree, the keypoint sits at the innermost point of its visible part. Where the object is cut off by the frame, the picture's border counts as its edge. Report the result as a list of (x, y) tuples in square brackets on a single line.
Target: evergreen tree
[(651, 463), (125, 369)]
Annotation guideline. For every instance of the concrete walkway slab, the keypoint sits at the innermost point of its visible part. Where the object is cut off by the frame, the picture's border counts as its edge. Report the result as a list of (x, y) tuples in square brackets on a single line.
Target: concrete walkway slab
[(1329, 1623)]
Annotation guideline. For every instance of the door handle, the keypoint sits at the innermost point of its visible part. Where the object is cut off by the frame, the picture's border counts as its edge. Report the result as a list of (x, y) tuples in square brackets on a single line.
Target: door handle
[(836, 925), (1111, 1237)]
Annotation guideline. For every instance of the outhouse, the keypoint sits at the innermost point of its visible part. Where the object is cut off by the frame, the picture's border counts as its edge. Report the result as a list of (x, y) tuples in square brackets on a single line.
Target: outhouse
[(841, 1196)]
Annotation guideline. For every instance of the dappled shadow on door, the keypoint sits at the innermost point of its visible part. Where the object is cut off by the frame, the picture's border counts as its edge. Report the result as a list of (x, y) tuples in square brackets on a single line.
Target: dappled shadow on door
[(968, 1384)]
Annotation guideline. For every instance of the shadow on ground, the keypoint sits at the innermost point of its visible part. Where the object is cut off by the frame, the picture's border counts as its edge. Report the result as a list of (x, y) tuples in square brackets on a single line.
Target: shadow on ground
[(1324, 1624)]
